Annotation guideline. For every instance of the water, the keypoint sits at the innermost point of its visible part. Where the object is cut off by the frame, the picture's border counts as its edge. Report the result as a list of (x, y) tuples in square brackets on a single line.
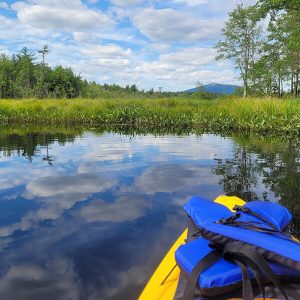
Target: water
[(87, 216)]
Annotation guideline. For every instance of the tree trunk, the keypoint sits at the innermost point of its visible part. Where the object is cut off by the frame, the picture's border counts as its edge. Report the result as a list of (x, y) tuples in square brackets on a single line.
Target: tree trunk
[(279, 86), (245, 89), (297, 85), (292, 84), (245, 80)]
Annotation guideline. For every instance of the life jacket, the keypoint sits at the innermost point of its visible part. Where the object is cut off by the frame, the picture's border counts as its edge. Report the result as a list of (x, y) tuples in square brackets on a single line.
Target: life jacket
[(235, 248)]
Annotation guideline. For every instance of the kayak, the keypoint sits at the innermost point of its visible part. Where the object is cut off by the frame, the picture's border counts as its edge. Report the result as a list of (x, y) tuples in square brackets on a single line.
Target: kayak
[(166, 282), (163, 283)]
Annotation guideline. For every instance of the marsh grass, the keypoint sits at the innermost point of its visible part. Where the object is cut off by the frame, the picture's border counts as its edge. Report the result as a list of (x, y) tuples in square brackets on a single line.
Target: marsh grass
[(263, 116)]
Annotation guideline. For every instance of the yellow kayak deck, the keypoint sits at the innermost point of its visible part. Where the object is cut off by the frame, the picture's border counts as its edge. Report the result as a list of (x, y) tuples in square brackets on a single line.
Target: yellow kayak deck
[(160, 288)]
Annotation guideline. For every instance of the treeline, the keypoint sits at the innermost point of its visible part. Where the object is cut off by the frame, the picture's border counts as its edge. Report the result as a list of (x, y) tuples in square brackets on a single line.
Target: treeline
[(21, 76), (267, 57)]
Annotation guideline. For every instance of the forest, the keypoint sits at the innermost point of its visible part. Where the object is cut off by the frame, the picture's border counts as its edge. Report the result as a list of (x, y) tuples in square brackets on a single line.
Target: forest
[(21, 76)]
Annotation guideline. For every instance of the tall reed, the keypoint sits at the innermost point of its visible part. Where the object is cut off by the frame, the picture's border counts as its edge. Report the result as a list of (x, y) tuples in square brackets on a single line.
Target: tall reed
[(264, 116)]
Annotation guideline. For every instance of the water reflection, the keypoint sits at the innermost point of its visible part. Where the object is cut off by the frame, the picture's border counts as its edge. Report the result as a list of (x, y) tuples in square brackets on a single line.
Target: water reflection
[(266, 169), (89, 215), (28, 145)]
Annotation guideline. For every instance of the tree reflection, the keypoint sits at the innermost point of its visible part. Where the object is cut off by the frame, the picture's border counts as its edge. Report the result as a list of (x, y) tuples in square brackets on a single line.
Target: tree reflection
[(265, 165), (29, 144), (238, 173), (282, 176)]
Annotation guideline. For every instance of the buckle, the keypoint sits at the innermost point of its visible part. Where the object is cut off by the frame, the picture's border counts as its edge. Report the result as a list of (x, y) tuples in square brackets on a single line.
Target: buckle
[(229, 220), (242, 209)]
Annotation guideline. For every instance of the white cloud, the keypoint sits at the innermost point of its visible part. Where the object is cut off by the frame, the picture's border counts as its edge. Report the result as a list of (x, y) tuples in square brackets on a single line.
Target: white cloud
[(126, 2), (84, 37), (215, 5), (183, 68), (107, 51), (174, 26), (191, 2), (60, 15), (192, 57)]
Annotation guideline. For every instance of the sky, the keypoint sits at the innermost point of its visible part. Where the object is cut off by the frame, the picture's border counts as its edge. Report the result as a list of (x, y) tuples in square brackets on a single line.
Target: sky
[(149, 43)]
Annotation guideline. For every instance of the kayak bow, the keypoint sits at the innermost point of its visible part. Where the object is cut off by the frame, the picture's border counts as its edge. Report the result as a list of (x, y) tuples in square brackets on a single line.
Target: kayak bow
[(163, 283)]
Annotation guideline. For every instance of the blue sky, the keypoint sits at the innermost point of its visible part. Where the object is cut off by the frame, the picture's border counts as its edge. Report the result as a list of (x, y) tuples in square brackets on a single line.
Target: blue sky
[(150, 43)]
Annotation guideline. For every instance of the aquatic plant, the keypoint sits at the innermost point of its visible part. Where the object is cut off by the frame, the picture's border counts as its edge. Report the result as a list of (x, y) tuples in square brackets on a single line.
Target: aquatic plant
[(263, 116)]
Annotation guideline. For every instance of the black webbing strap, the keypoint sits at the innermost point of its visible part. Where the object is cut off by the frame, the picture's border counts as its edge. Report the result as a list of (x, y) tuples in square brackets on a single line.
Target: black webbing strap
[(266, 269), (201, 266), (253, 227), (258, 276), (250, 257), (247, 287), (254, 214)]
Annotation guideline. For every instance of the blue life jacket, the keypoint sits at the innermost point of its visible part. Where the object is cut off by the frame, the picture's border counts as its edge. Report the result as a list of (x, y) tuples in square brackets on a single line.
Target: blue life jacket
[(237, 247), (223, 276)]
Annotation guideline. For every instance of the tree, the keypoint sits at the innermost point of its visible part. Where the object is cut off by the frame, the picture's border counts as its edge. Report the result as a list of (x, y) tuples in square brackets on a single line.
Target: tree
[(44, 51), (273, 6), (24, 70), (291, 21), (242, 36), (271, 69), (133, 88), (42, 87), (6, 76), (63, 83)]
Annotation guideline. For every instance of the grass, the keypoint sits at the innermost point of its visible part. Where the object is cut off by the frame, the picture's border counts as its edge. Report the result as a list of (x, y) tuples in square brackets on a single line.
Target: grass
[(263, 116)]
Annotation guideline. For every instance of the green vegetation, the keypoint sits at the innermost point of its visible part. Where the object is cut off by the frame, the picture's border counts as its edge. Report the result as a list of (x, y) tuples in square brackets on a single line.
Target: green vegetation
[(266, 6), (22, 77), (268, 60), (221, 115)]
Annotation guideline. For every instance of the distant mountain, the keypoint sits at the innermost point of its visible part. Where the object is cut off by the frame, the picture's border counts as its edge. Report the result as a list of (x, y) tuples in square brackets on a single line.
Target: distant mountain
[(216, 88)]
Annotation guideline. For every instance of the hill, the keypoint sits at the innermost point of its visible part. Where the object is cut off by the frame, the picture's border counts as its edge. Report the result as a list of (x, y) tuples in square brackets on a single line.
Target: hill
[(216, 88)]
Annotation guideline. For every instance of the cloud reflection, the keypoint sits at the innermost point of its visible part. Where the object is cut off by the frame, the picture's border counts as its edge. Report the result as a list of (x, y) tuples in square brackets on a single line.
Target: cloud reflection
[(56, 280), (170, 178), (62, 185), (55, 195), (121, 210)]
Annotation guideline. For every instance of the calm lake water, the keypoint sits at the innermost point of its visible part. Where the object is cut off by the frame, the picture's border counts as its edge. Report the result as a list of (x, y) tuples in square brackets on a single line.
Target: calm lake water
[(89, 216)]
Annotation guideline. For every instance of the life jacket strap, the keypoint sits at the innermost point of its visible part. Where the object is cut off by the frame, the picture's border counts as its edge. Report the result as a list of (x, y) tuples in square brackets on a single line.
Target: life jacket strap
[(246, 257), (201, 266), (248, 211), (254, 226), (247, 286)]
